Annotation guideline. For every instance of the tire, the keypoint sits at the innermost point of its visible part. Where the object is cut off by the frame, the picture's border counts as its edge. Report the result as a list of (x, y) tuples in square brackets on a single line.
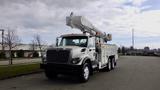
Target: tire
[(85, 73), (50, 75), (109, 65), (112, 63), (115, 63)]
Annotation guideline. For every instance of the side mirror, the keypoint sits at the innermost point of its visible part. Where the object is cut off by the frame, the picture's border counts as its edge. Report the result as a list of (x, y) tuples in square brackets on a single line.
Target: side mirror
[(58, 39)]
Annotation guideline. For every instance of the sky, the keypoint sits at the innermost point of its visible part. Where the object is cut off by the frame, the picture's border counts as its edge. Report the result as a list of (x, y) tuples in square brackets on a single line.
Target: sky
[(117, 17)]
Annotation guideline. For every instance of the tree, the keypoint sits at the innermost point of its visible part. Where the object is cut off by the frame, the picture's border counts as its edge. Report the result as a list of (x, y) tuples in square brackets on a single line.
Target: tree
[(119, 50), (33, 46), (146, 48), (40, 43), (11, 40), (123, 50), (131, 48)]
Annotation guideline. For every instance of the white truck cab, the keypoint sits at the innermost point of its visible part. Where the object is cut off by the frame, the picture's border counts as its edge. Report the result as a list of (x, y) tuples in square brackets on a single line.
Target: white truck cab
[(82, 46), (80, 54)]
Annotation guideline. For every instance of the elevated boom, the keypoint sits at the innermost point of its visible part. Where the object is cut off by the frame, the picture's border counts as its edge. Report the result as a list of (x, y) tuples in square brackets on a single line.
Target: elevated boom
[(85, 26)]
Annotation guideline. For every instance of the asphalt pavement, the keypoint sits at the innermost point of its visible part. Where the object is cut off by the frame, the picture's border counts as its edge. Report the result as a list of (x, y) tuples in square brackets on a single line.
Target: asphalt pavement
[(132, 73)]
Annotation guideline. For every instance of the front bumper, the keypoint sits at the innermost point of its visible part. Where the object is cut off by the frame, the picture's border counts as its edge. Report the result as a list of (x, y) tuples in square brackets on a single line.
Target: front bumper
[(62, 68)]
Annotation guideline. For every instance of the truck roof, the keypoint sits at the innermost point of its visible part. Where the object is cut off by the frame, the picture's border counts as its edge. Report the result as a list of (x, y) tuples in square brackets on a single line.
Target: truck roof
[(66, 35)]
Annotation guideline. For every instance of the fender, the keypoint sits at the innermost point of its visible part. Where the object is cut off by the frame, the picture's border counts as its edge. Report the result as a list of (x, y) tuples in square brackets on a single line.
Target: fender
[(90, 64), (85, 59)]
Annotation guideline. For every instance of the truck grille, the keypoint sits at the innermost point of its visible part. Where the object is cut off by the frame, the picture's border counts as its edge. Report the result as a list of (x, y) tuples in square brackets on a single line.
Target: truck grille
[(58, 56)]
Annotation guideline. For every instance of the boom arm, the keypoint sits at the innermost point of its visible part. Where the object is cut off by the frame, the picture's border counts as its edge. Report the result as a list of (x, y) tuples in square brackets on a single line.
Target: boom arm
[(85, 26)]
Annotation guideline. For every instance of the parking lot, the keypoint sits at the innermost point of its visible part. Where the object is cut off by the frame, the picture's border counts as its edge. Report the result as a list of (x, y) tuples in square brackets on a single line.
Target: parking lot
[(132, 73)]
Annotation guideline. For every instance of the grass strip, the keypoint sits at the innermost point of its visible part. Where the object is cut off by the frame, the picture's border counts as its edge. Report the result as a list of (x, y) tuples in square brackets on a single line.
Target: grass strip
[(17, 70)]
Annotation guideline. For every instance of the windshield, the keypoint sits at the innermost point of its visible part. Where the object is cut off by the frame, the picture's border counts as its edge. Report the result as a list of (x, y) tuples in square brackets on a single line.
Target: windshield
[(74, 41)]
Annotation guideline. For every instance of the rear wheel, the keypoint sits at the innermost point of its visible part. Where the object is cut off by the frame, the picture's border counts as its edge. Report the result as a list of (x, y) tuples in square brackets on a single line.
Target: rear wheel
[(50, 75), (84, 77), (113, 63), (109, 65)]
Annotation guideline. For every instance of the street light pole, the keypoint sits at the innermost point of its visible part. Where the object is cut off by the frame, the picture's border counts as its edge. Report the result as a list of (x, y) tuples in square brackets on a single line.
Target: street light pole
[(133, 38), (2, 30)]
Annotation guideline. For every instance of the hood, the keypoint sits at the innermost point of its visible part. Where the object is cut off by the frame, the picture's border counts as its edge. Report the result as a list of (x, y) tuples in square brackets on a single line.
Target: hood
[(67, 47), (75, 50)]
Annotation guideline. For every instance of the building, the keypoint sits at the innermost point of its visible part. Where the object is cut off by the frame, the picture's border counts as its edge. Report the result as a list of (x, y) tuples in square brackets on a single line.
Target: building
[(27, 49)]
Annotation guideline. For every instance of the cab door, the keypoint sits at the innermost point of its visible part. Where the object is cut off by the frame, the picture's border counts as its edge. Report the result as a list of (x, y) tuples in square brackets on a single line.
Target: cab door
[(91, 48)]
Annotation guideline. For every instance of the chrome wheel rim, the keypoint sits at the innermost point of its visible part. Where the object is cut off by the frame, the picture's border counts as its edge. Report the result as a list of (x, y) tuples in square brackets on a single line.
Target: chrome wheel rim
[(86, 72)]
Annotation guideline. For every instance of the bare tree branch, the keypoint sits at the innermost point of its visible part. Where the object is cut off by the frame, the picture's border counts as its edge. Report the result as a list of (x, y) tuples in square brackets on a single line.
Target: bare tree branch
[(33, 45), (11, 40), (40, 43)]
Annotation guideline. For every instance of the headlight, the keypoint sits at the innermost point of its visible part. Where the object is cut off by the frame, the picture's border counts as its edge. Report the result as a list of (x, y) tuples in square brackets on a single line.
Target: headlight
[(75, 60)]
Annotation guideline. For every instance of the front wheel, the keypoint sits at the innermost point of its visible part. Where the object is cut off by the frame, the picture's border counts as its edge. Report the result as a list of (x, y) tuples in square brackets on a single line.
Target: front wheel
[(84, 76)]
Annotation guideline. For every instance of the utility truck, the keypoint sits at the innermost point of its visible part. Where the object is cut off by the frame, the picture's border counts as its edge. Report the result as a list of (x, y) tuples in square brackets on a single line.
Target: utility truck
[(80, 54)]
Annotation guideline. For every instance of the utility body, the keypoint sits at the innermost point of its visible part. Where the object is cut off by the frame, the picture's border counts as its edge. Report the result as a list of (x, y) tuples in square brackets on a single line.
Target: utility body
[(80, 54)]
